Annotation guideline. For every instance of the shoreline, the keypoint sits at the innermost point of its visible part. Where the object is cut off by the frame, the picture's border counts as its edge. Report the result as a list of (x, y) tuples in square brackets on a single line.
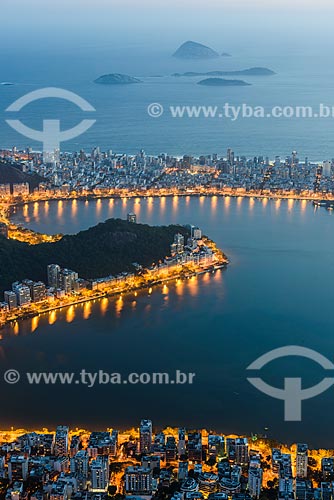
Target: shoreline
[(7, 211), (27, 233), (181, 275)]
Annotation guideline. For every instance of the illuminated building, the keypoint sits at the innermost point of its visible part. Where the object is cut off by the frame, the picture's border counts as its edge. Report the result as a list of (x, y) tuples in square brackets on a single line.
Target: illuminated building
[(18, 468), (327, 469), (171, 450), (241, 451), (138, 480), (22, 294), (145, 438), (196, 233), (53, 271), (67, 280), (181, 447), (131, 217), (11, 299), (5, 190), (151, 462), (61, 441), (195, 446), (255, 476), (79, 467), (301, 460), (21, 189), (182, 471), (99, 472), (216, 445), (208, 482)]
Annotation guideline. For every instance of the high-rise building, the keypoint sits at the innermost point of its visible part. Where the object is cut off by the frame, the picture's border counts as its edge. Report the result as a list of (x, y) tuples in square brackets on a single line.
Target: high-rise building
[(61, 441), (53, 275), (18, 468), (171, 449), (177, 246), (196, 233), (255, 475), (216, 445), (181, 447), (241, 451), (327, 469), (138, 481), (182, 471), (145, 437), (79, 467), (230, 157), (195, 446), (301, 460), (99, 472), (38, 291), (23, 295), (67, 280), (326, 169), (11, 299)]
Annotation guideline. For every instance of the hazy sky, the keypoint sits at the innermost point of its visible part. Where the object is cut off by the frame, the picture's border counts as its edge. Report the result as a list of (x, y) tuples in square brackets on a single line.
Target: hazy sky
[(168, 22)]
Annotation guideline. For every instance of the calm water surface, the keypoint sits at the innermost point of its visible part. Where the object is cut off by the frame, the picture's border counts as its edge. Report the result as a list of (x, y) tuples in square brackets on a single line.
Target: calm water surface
[(277, 291)]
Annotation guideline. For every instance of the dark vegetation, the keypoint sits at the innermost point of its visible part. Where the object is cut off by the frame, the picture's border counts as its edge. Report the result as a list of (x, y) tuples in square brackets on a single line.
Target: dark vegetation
[(108, 248)]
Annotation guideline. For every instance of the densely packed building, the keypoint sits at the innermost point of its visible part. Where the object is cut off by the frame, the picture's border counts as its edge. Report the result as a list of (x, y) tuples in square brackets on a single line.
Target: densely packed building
[(175, 464), (83, 172)]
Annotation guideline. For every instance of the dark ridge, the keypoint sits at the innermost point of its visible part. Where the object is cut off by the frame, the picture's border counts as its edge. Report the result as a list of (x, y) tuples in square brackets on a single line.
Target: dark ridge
[(108, 248)]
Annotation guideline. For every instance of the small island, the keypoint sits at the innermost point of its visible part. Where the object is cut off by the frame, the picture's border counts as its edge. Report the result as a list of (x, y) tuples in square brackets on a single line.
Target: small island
[(257, 71), (116, 79), (195, 50), (221, 82)]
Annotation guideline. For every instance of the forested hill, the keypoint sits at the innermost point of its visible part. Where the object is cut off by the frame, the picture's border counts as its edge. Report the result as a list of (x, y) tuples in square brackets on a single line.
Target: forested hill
[(108, 248), (11, 174)]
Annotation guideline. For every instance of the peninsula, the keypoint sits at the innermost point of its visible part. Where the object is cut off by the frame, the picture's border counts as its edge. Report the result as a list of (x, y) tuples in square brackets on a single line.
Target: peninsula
[(114, 257)]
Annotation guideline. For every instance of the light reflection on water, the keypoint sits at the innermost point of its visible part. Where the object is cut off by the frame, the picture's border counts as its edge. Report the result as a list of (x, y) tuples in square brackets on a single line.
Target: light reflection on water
[(277, 291)]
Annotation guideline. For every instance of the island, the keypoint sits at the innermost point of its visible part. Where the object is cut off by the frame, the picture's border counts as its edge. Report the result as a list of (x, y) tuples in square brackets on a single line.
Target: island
[(6, 83), (257, 71), (221, 82), (116, 79), (226, 54), (195, 50), (114, 257)]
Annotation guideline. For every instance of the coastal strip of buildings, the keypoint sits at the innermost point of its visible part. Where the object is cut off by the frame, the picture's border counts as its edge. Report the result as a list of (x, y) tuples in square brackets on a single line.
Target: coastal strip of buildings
[(143, 464), (103, 173)]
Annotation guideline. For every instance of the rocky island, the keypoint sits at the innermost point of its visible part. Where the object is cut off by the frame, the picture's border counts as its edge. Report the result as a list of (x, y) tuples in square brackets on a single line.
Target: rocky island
[(195, 50), (221, 82), (116, 79), (248, 72)]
